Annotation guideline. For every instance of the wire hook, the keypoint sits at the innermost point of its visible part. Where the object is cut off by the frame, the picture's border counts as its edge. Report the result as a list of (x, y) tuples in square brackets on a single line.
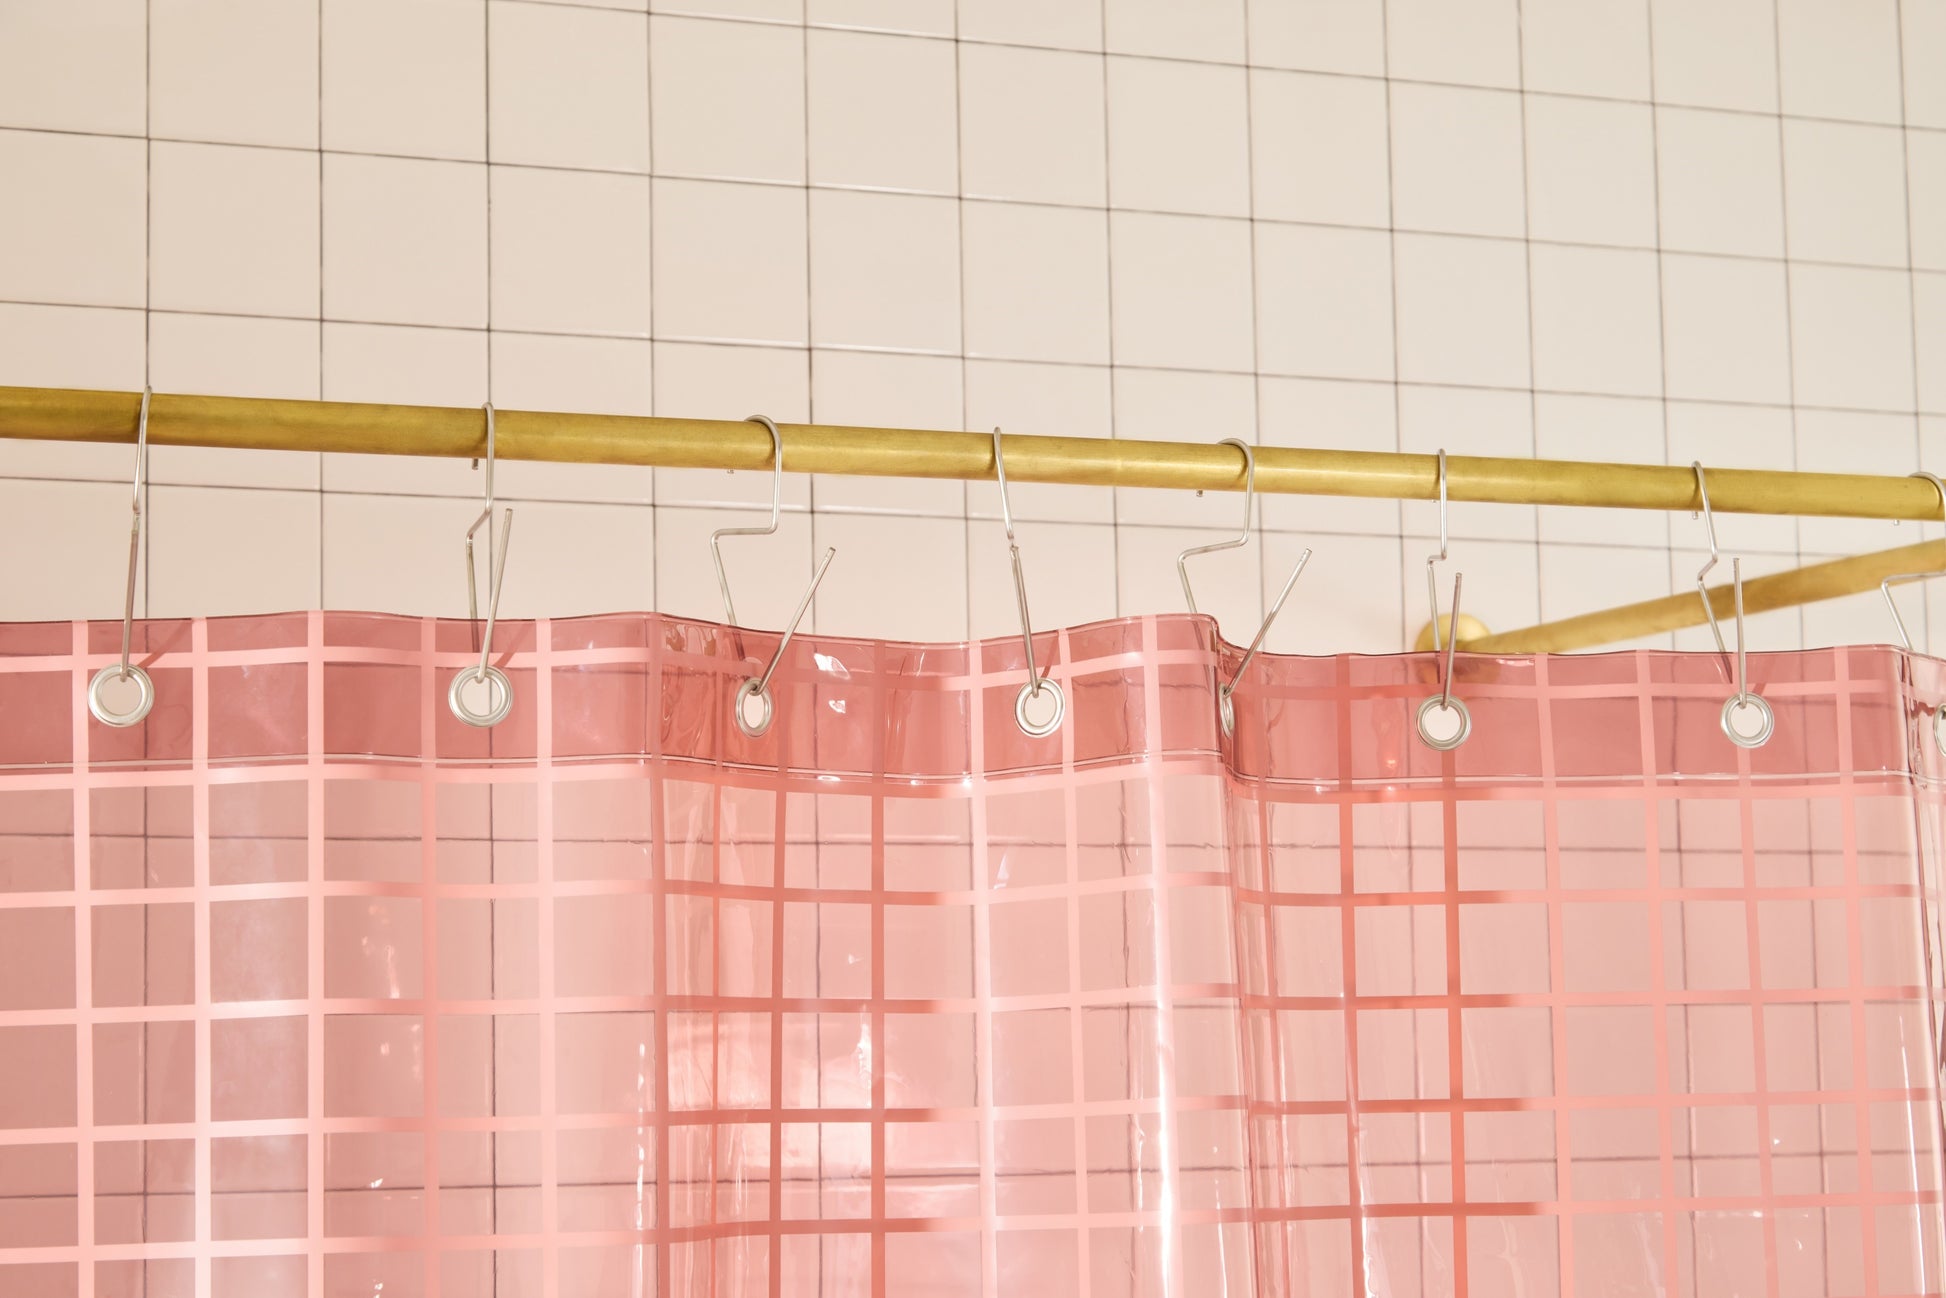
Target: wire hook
[(125, 670), (500, 690), (1037, 682), (1225, 709), (759, 686), (1444, 700), (776, 513), (1744, 697)]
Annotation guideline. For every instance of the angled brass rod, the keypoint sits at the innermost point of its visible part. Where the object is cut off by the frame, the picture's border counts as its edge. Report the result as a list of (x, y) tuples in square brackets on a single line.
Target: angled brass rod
[(1807, 585), (88, 416)]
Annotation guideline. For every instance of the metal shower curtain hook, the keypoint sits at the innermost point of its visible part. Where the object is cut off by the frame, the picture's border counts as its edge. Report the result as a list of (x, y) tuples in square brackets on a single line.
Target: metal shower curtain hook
[(1444, 700), (1898, 621), (776, 513), (1225, 709), (126, 670), (1744, 697), (500, 690), (1037, 683)]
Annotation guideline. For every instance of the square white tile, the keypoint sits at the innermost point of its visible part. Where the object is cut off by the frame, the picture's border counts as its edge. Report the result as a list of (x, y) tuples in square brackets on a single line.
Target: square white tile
[(1721, 182), (239, 356), (1462, 307), (1851, 337), (1929, 326), (1844, 193), (1328, 414), (1724, 326), (1181, 291), (1591, 171), (1178, 137), (1036, 282), (1840, 59), (233, 229), (1337, 176), (81, 241), (76, 66), (909, 17), (1467, 421), (81, 531), (1597, 321), (1324, 302), (1922, 30), (696, 381), (1176, 406), (728, 99), (405, 241), (534, 53), (1457, 163), (1462, 42), (1032, 125), (876, 390), (1717, 55), (405, 76), (603, 376), (570, 252), (1045, 401), (402, 554), (883, 113), (1347, 601), (1586, 47), (215, 551), (1318, 35), (1926, 186), (1212, 31), (234, 71), (894, 578), (1070, 572), (1057, 24), (730, 262), (1607, 429), (885, 271)]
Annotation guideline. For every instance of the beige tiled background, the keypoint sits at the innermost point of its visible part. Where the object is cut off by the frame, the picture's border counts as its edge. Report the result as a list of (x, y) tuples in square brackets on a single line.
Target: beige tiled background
[(1651, 230)]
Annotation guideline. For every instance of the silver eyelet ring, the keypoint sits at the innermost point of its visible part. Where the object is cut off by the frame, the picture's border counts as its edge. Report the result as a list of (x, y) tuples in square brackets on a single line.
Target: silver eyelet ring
[(1764, 731), (1939, 729), (1031, 690), (1434, 703), (1226, 711), (500, 693), (144, 697), (754, 687)]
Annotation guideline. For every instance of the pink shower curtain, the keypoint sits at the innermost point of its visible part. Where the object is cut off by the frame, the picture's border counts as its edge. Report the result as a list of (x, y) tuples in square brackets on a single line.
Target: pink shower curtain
[(306, 988)]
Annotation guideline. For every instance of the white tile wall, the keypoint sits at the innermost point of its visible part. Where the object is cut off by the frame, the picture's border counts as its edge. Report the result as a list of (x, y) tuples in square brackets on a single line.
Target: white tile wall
[(1636, 230)]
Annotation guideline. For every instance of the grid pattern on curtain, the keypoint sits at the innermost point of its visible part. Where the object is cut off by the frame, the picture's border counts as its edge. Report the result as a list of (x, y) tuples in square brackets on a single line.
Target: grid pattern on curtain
[(307, 988)]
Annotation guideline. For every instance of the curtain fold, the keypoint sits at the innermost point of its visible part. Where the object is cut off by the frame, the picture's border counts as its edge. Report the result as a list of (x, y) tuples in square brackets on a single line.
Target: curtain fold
[(307, 987)]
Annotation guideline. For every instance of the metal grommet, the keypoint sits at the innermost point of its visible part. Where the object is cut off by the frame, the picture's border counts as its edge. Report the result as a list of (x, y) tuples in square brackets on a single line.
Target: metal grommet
[(1226, 712), (144, 699), (1764, 731), (1031, 690), (500, 692), (1437, 704), (753, 687), (1939, 729)]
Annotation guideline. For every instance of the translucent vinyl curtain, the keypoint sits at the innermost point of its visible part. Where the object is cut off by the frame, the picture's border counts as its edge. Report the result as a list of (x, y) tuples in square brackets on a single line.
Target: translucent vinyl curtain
[(307, 988)]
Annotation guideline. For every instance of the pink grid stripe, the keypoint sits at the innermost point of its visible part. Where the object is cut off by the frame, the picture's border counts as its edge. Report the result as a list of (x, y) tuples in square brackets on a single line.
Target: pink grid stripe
[(306, 988)]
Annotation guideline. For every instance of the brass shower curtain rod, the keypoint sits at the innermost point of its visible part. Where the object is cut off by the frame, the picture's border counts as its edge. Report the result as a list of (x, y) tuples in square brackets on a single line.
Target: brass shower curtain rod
[(63, 414)]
